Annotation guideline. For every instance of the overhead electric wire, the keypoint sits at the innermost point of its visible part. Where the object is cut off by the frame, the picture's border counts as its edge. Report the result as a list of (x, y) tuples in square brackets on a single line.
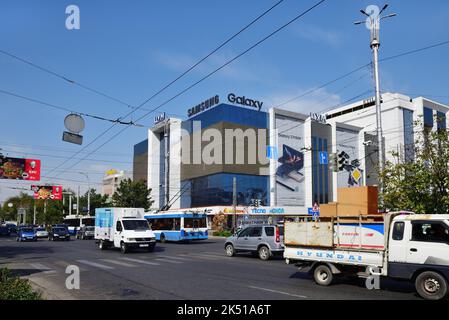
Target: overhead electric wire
[(183, 74), (211, 73), (51, 105)]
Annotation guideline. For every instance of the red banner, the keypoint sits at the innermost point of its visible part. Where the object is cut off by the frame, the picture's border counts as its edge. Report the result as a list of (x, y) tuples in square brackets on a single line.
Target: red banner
[(47, 192), (20, 169)]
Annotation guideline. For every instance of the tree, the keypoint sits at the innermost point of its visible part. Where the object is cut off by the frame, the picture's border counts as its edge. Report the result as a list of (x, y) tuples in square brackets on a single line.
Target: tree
[(132, 194), (96, 201), (421, 185)]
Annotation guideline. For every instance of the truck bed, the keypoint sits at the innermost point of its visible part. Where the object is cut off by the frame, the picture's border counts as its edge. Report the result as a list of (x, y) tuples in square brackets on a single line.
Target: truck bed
[(344, 256), (356, 236)]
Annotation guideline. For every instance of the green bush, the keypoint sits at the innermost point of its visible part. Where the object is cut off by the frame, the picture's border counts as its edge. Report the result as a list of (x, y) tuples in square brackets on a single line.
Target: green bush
[(224, 233), (14, 288)]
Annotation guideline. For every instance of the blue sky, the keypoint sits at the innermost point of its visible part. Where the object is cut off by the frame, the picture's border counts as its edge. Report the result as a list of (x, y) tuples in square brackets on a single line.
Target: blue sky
[(130, 49)]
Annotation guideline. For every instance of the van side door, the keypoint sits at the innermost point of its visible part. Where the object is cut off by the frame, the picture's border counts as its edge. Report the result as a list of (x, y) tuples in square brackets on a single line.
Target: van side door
[(118, 233)]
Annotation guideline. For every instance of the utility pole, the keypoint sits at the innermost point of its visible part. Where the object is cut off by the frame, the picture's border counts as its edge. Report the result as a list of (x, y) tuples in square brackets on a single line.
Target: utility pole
[(234, 203), (88, 190), (34, 214), (78, 202), (373, 23)]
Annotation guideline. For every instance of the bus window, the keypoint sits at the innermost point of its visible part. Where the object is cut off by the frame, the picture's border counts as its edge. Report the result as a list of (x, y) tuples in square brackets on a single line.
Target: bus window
[(195, 223)]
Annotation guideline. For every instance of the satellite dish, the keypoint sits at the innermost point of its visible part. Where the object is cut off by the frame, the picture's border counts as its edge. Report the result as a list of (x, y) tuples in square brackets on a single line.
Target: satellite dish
[(74, 123)]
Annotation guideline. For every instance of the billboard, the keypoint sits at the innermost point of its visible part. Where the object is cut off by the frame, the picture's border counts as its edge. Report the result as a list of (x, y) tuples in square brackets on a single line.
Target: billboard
[(347, 141), (290, 185), (47, 192), (20, 169)]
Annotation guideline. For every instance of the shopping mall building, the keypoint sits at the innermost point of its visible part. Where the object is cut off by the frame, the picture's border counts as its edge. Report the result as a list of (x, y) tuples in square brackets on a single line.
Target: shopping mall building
[(278, 157)]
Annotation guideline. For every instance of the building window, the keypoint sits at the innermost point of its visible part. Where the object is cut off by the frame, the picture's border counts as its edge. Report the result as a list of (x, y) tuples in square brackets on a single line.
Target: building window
[(428, 117), (441, 120), (409, 138), (216, 190)]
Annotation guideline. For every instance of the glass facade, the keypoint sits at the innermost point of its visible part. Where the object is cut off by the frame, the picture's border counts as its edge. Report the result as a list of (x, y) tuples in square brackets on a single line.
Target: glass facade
[(229, 113), (441, 120), (428, 117), (216, 189), (409, 138), (320, 172), (140, 161)]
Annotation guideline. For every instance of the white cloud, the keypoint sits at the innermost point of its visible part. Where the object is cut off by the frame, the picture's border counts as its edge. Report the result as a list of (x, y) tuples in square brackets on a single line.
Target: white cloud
[(317, 101), (316, 34)]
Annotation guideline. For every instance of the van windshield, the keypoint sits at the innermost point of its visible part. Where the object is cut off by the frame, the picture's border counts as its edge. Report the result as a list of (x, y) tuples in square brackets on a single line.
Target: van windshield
[(136, 225)]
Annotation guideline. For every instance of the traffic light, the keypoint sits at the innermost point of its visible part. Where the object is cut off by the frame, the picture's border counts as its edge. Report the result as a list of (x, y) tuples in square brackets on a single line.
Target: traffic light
[(333, 162), (342, 160), (256, 202)]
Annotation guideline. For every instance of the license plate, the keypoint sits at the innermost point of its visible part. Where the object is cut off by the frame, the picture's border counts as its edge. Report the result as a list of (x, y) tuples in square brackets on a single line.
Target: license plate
[(143, 245)]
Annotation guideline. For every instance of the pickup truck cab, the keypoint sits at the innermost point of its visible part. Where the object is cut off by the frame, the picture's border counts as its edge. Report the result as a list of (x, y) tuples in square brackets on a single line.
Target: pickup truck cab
[(124, 228), (414, 248)]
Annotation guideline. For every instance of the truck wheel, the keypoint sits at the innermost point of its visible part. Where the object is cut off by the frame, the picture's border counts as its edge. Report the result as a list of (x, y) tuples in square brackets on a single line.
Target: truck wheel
[(431, 285), (323, 275), (102, 245), (163, 238), (230, 251), (123, 247), (264, 253)]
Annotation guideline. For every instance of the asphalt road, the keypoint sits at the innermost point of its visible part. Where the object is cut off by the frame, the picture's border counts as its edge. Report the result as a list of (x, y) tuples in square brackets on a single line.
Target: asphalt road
[(199, 270)]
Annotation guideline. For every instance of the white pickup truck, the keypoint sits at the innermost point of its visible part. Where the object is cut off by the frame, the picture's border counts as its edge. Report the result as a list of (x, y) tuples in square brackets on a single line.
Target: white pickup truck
[(123, 228), (404, 246)]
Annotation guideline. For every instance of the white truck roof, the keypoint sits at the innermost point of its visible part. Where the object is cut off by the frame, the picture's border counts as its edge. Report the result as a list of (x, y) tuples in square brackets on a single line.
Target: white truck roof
[(421, 217)]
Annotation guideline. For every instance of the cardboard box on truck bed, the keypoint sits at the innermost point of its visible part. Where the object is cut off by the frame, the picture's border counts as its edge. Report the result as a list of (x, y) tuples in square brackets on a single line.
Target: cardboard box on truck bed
[(357, 201)]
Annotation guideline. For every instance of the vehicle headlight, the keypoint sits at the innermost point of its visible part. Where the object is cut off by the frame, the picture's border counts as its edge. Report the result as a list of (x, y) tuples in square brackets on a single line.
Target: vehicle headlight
[(130, 239)]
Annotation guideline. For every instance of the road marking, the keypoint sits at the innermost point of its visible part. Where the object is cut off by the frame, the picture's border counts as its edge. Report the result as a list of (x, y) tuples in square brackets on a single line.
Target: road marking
[(167, 260), (176, 258), (120, 263), (205, 256), (276, 291), (141, 261), (94, 264), (64, 264), (41, 267)]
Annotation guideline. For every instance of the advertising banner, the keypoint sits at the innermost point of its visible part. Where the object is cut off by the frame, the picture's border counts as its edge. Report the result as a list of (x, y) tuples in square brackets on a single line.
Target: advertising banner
[(47, 192), (351, 176), (20, 169), (290, 164)]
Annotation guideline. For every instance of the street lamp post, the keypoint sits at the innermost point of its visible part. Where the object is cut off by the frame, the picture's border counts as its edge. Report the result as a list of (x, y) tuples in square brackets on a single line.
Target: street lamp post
[(373, 23), (88, 190)]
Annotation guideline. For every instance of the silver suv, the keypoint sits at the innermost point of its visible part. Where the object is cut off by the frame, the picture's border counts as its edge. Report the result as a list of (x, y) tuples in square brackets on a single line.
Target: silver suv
[(265, 240)]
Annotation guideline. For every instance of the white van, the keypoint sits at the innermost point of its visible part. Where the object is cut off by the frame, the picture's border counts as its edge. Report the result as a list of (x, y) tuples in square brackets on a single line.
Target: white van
[(123, 228)]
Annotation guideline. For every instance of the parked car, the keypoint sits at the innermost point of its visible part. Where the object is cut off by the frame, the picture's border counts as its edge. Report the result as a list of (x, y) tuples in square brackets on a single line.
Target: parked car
[(264, 240), (4, 231), (41, 232), (26, 234), (11, 227), (86, 233), (59, 233)]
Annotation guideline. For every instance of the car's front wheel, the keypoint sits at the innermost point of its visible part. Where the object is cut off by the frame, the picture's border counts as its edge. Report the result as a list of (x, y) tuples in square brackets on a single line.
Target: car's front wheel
[(230, 251), (123, 248)]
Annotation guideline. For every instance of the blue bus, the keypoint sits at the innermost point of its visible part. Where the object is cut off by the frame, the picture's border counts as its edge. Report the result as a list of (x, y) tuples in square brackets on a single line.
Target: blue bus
[(178, 226)]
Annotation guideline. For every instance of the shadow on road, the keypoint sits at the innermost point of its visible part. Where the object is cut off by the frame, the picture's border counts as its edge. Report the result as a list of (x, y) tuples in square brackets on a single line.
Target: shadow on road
[(24, 272), (385, 283), (13, 251)]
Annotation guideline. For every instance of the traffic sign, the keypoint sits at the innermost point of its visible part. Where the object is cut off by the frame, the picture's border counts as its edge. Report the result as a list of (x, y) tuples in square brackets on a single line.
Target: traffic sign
[(324, 157)]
